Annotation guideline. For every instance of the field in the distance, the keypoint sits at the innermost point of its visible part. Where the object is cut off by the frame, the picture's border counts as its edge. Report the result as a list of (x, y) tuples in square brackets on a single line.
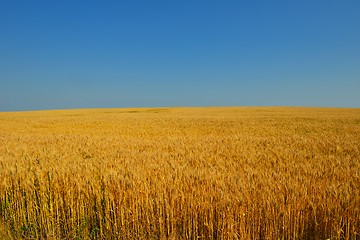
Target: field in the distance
[(181, 173)]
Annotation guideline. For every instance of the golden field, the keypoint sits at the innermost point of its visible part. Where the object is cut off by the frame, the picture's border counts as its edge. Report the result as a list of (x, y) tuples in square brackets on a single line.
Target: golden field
[(180, 173)]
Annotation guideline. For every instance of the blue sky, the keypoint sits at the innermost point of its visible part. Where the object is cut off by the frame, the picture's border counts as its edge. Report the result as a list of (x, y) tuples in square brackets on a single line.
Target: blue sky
[(81, 54)]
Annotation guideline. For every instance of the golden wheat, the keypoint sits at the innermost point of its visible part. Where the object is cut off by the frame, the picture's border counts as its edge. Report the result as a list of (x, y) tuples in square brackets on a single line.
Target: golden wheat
[(181, 173)]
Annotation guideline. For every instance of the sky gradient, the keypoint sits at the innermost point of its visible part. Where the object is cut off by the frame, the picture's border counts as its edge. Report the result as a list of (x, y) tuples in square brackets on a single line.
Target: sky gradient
[(90, 54)]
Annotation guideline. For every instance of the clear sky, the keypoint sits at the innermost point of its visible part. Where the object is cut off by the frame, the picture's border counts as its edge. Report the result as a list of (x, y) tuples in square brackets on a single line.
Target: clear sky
[(81, 54)]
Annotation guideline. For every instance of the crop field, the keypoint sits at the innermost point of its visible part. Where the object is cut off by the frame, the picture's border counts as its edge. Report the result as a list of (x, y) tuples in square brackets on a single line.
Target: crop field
[(180, 173)]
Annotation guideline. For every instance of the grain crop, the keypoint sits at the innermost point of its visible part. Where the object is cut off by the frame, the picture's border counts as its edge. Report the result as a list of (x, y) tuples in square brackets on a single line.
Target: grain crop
[(181, 173)]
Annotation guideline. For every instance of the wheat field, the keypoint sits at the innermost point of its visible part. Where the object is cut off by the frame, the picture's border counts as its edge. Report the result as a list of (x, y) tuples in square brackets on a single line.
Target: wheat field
[(180, 173)]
